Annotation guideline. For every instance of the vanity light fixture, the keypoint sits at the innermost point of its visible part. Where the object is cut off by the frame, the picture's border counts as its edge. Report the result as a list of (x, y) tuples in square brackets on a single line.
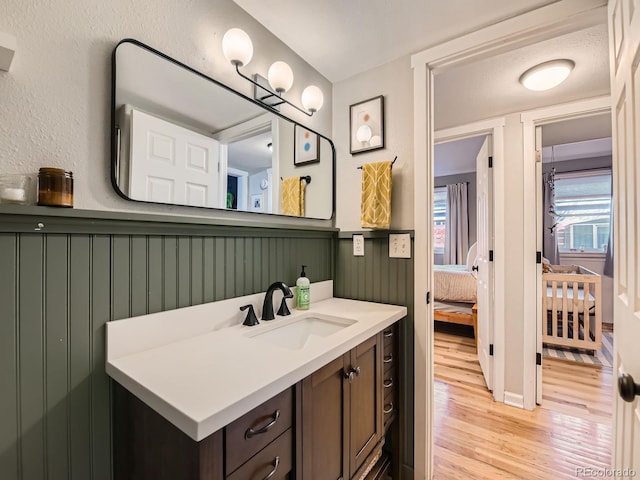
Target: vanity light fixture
[(547, 75), (238, 50)]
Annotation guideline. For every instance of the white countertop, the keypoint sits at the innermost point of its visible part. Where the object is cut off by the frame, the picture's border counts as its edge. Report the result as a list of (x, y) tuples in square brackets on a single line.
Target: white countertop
[(200, 368)]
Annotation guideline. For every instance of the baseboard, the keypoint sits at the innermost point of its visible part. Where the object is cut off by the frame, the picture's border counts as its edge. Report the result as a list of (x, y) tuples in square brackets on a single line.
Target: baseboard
[(514, 399)]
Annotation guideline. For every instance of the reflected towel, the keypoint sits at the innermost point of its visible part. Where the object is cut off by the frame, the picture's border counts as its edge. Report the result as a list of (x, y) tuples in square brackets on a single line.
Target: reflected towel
[(293, 196), (376, 195)]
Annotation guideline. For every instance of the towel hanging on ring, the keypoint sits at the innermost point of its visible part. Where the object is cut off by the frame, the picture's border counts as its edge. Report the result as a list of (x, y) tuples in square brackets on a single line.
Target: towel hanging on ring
[(376, 195), (293, 196)]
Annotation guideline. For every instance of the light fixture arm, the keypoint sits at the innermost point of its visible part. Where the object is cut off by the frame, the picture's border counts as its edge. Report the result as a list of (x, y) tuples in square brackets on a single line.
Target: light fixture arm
[(270, 93)]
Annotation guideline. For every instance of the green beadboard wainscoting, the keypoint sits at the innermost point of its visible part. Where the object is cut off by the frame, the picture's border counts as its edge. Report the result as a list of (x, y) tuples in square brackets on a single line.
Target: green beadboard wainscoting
[(375, 277), (62, 276)]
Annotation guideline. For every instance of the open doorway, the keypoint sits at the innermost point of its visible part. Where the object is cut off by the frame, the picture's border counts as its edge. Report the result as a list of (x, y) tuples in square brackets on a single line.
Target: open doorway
[(575, 205), (462, 222)]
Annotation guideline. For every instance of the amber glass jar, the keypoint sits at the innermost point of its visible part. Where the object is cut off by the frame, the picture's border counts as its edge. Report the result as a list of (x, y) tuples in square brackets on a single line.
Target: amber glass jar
[(55, 187)]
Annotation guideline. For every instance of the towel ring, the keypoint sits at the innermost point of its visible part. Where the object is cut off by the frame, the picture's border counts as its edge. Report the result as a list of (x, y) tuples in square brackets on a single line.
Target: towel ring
[(306, 178), (394, 161)]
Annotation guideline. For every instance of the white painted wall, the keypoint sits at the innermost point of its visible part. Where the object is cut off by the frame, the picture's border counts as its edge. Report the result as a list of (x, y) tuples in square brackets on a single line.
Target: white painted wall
[(394, 80), (55, 101)]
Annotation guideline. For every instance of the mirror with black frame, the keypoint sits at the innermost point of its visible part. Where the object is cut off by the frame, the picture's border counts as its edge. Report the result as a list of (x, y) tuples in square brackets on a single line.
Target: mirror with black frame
[(183, 138)]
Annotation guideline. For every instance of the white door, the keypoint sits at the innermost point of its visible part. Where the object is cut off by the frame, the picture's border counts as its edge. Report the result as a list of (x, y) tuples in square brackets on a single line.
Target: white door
[(539, 241), (624, 48), (171, 164), (485, 266)]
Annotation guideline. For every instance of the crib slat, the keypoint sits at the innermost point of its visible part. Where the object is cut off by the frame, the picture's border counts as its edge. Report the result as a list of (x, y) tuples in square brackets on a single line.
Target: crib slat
[(545, 309), (576, 311), (585, 307), (554, 307), (598, 312), (565, 311)]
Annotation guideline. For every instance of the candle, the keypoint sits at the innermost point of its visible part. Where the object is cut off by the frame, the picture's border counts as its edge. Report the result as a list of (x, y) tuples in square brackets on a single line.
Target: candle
[(14, 194)]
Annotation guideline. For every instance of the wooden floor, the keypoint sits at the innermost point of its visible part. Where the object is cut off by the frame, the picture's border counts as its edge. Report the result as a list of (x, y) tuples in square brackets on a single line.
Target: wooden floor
[(477, 438)]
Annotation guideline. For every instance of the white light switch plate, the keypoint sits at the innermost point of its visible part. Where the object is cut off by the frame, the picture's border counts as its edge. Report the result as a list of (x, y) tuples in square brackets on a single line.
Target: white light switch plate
[(400, 245), (358, 245)]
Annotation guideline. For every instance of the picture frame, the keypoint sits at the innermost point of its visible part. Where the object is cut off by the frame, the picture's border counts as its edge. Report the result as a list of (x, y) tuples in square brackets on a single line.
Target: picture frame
[(257, 202), (366, 125), (306, 146)]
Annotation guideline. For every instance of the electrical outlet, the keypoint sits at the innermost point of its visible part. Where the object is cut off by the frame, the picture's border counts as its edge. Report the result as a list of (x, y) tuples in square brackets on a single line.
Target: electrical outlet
[(400, 245), (358, 245)]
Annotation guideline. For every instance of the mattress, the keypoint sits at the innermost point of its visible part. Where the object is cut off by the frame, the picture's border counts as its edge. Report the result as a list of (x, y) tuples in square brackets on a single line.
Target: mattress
[(453, 307), (580, 304), (454, 283)]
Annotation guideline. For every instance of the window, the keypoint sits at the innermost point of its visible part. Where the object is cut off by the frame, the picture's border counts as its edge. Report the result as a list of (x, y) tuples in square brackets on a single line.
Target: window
[(439, 218), (583, 211)]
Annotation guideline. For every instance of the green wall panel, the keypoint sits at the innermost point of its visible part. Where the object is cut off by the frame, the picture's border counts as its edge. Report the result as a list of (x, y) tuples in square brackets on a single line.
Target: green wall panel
[(58, 290), (377, 278)]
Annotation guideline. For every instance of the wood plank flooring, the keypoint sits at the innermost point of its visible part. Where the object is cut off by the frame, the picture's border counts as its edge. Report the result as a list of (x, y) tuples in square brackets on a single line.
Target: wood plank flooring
[(477, 438)]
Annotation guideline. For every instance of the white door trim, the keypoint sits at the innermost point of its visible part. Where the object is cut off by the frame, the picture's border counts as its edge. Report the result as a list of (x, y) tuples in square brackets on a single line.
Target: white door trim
[(532, 307), (543, 23), (495, 128)]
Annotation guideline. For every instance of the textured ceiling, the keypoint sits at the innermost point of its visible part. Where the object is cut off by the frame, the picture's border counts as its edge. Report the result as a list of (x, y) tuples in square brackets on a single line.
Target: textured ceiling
[(490, 87), (342, 38)]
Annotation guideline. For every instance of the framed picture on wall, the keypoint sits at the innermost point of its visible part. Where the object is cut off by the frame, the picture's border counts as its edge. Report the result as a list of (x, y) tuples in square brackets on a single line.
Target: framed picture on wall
[(257, 202), (366, 125), (307, 146)]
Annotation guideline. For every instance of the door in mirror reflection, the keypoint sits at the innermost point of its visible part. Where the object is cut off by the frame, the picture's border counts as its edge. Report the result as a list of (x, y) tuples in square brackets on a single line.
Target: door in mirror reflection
[(182, 138)]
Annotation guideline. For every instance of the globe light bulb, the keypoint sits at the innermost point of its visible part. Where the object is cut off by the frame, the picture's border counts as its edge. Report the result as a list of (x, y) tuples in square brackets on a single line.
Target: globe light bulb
[(312, 98), (237, 47), (280, 76)]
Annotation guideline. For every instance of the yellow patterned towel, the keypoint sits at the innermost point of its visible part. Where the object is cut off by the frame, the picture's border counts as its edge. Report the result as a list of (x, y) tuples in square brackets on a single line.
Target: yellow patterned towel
[(293, 196), (376, 195)]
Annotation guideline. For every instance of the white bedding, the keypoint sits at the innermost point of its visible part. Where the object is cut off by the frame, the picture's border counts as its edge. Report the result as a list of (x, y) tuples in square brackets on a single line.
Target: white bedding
[(454, 283)]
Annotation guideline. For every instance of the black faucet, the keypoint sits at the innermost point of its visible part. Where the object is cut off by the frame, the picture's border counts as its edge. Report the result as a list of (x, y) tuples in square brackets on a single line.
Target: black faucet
[(267, 305)]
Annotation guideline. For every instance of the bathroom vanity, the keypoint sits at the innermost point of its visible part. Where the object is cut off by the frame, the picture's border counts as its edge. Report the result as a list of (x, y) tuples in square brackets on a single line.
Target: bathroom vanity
[(308, 396)]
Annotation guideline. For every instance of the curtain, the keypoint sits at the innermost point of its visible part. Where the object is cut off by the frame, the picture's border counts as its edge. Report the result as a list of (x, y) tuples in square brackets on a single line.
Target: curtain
[(549, 244), (608, 260), (456, 240)]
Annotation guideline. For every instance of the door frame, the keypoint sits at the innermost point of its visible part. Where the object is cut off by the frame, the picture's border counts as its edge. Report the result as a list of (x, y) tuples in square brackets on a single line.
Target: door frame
[(493, 128), (543, 23), (533, 235)]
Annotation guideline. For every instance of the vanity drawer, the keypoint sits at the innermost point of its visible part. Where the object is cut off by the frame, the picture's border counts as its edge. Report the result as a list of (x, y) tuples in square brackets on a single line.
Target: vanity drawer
[(389, 336), (253, 431), (389, 409), (273, 462)]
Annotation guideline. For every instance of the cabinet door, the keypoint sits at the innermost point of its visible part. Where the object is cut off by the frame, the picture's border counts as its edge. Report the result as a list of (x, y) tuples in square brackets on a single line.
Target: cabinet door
[(366, 401), (325, 414)]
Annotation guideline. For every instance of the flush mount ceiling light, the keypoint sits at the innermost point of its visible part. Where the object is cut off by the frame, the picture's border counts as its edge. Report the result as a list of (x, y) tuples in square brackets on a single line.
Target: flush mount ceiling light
[(238, 49), (547, 75)]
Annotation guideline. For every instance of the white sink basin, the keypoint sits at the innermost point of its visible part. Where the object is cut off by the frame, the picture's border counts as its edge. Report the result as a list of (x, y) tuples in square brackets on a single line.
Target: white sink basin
[(304, 330)]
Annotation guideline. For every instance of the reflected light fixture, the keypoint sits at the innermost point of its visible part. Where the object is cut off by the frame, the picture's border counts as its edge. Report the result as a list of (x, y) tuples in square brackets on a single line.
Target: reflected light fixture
[(547, 75), (238, 50)]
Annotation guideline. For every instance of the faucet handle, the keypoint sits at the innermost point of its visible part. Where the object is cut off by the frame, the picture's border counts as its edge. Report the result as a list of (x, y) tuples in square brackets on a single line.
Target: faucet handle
[(284, 308), (251, 319)]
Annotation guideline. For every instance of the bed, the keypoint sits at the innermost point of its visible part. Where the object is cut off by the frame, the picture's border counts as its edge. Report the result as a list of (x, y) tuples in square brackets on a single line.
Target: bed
[(455, 293), (572, 307)]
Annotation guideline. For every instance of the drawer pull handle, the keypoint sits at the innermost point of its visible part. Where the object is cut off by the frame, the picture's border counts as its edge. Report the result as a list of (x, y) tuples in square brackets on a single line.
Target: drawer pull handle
[(388, 408), (388, 333), (388, 358), (388, 383), (251, 432), (276, 462)]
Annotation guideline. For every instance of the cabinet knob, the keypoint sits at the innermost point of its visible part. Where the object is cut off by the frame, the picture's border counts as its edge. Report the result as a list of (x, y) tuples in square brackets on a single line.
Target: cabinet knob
[(352, 374)]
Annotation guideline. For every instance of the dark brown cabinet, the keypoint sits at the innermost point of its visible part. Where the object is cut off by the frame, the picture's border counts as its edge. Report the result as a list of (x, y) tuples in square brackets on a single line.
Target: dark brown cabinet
[(329, 426), (342, 414)]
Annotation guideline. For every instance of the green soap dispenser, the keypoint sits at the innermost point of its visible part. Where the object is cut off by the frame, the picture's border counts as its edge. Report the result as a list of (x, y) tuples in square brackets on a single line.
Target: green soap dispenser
[(303, 291)]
